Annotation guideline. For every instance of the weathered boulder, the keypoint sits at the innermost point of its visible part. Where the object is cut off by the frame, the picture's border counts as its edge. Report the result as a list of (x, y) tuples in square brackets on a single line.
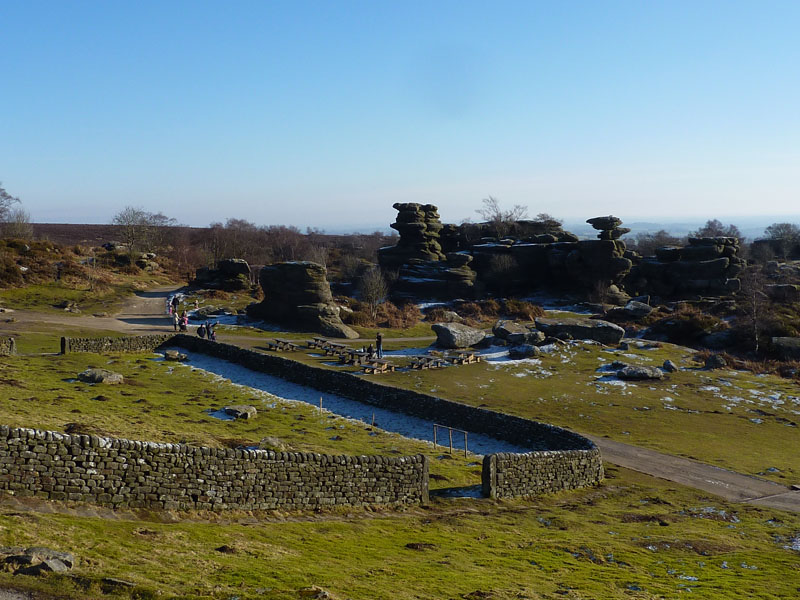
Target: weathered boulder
[(784, 292), (636, 372), (669, 366), (174, 355), (787, 347), (231, 274), (241, 411), (524, 351), (715, 361), (297, 294), (582, 329), (633, 310), (230, 267), (36, 560), (509, 330), (456, 335), (100, 376)]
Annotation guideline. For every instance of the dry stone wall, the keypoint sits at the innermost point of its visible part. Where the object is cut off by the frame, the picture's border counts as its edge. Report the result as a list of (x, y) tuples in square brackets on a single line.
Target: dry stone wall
[(138, 343), (7, 346), (560, 459), (125, 473)]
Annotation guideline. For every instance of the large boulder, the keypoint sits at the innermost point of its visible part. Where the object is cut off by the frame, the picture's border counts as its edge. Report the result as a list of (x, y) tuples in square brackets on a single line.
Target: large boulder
[(456, 335), (787, 347), (581, 329), (100, 376), (297, 294)]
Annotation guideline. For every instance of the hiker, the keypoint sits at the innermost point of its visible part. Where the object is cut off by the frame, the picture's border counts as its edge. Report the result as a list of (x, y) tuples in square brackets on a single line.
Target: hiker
[(370, 352), (379, 344), (174, 303), (201, 331), (184, 321), (210, 333), (176, 320)]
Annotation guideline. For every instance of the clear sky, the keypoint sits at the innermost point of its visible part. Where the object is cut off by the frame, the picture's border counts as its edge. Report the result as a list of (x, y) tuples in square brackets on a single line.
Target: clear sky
[(324, 113)]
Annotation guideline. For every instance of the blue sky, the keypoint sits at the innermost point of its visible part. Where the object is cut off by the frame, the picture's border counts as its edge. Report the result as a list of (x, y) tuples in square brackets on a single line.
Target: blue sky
[(325, 113)]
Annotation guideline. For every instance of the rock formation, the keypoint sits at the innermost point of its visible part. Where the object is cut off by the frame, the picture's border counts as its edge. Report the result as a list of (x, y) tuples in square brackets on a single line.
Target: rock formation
[(424, 271), (707, 266), (582, 329), (231, 274), (297, 294), (419, 227)]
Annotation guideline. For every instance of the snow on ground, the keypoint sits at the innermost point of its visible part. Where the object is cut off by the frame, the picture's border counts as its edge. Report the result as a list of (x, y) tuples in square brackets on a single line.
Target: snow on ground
[(411, 427)]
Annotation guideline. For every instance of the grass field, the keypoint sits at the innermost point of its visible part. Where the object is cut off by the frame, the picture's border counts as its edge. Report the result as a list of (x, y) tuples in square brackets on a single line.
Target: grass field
[(631, 537)]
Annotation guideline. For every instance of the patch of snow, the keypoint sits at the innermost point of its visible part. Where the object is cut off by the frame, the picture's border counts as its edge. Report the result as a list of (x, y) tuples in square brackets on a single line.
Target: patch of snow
[(387, 420)]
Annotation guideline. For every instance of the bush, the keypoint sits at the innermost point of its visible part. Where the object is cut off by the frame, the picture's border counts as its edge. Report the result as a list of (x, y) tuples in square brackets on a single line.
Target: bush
[(10, 275), (687, 325), (521, 309), (401, 317)]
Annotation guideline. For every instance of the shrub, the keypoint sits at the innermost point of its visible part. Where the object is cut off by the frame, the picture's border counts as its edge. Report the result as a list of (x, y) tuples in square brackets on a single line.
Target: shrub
[(686, 325), (401, 317), (521, 309)]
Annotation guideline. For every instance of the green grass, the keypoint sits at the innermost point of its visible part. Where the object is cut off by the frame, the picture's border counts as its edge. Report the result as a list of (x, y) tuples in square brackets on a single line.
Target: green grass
[(632, 537), (163, 401), (45, 297)]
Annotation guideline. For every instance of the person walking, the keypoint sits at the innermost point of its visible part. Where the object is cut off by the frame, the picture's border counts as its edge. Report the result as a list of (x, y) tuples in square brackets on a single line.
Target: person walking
[(184, 321), (176, 320), (174, 303), (379, 344)]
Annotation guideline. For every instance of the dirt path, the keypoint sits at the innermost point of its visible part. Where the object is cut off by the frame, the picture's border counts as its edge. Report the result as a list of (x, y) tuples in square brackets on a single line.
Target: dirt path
[(145, 312)]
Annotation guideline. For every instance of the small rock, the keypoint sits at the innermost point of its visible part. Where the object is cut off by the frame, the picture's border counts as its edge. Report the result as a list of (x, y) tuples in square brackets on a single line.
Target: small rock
[(669, 366), (241, 411), (174, 355), (634, 373), (523, 351), (225, 549), (315, 592), (624, 346), (100, 376)]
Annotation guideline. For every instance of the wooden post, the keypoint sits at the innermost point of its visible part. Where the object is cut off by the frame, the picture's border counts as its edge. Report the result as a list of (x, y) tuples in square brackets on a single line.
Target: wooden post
[(450, 431), (465, 444), (373, 418), (434, 435), (320, 404)]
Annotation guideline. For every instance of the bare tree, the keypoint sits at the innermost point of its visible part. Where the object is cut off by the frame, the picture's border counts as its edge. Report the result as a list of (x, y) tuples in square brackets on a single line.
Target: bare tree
[(786, 236), (755, 302), (6, 200), (715, 228), (132, 222), (374, 289), (646, 243), (17, 225), (501, 220)]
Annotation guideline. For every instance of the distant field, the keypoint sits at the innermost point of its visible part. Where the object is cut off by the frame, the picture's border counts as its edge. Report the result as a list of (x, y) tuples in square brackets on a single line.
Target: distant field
[(86, 234)]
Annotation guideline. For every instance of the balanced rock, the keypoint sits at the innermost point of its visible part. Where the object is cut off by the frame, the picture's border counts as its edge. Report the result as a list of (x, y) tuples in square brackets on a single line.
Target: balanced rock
[(297, 294), (581, 329), (456, 335), (100, 376)]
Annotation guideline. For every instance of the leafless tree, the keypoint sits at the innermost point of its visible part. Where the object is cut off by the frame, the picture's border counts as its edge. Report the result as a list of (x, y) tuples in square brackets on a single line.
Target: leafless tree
[(501, 220), (786, 235), (6, 200), (754, 302), (143, 231), (646, 243), (374, 289), (715, 228), (17, 225)]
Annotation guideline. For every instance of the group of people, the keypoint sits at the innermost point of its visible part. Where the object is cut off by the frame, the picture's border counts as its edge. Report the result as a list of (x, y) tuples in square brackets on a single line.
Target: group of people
[(207, 330), (180, 320)]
